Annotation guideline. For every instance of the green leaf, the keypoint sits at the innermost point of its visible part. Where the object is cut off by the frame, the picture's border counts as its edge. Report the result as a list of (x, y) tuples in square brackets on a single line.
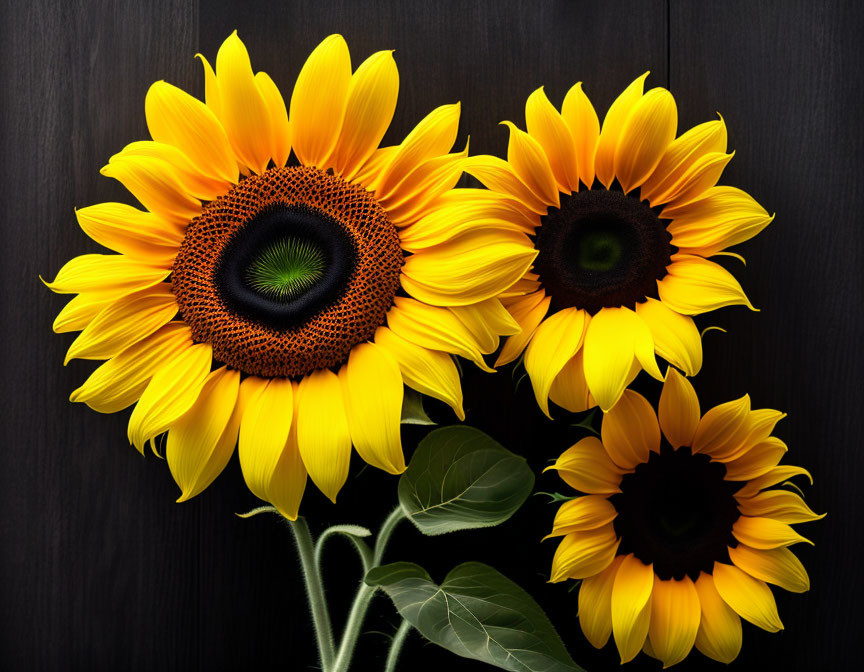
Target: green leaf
[(587, 422), (478, 613), (462, 479), (413, 412)]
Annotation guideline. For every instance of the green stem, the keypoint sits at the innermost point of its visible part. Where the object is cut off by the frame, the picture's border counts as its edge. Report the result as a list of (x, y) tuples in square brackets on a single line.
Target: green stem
[(364, 597), (314, 593), (396, 646), (361, 546)]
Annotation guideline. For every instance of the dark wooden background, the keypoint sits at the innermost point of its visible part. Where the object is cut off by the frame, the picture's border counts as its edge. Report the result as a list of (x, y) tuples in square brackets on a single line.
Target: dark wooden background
[(101, 570)]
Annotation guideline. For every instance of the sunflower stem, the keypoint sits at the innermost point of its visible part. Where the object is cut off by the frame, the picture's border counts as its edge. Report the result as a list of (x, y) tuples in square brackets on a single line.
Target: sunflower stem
[(314, 593), (364, 596), (396, 646)]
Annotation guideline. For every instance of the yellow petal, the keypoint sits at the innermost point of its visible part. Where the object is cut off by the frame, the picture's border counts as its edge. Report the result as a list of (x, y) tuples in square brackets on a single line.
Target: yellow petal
[(698, 179), (613, 126), (124, 322), (176, 118), (631, 606), (555, 342), (719, 423), (114, 273), (681, 154), (719, 634), (498, 175), (569, 389), (787, 507), (318, 101), (586, 467), (430, 372), (545, 125), (765, 533), (288, 482), (759, 460), (777, 565), (595, 604), (132, 232), (578, 112), (264, 428), (693, 285), (528, 311), (212, 97), (201, 442), (531, 165), (771, 477), (171, 392), (434, 328), (80, 311), (120, 381), (750, 598), (678, 410), (676, 338), (487, 321), (583, 554), (630, 430), (243, 110), (373, 390), (726, 216), (280, 129), (371, 101), (322, 431), (649, 129), (472, 268), (675, 615), (432, 137), (156, 184), (581, 514), (615, 336)]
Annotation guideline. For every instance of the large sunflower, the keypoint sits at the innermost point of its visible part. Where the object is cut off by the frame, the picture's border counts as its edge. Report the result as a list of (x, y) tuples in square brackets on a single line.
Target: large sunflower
[(677, 535), (265, 292), (625, 219)]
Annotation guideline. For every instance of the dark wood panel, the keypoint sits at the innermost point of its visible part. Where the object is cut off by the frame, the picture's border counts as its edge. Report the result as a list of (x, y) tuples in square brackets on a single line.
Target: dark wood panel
[(100, 570)]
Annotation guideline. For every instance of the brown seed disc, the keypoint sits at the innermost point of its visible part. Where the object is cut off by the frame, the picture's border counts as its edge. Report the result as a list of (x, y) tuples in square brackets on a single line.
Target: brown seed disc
[(324, 338)]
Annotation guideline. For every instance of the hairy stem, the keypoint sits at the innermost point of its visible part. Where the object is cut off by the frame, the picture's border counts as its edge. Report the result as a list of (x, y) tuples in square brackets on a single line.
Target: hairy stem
[(396, 646)]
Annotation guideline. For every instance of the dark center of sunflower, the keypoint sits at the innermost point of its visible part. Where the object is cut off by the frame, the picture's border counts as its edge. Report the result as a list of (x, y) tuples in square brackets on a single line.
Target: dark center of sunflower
[(676, 511), (287, 272), (601, 249)]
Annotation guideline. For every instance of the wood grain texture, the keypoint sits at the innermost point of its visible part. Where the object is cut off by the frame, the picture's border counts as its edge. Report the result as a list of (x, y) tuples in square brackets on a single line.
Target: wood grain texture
[(101, 570)]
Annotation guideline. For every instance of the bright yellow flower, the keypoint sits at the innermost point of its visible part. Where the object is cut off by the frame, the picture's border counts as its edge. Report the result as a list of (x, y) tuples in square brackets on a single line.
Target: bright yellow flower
[(625, 219), (677, 535), (266, 293)]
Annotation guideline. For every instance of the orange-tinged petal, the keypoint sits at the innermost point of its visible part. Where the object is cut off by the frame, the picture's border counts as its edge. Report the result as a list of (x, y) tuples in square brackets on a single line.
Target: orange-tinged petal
[(783, 505), (631, 606), (630, 430), (579, 115), (528, 311), (371, 101), (771, 477), (569, 389), (595, 604), (678, 410), (759, 460), (586, 467), (430, 372), (613, 125), (372, 389), (676, 338), (176, 118), (765, 533), (531, 165), (675, 616), (693, 285), (280, 129), (557, 339), (649, 129), (719, 423), (698, 179), (581, 514), (499, 176), (583, 554), (545, 125), (719, 634), (322, 431), (750, 598), (777, 565)]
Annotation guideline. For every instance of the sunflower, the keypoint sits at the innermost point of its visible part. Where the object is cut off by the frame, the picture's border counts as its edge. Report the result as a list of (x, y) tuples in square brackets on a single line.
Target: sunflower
[(264, 296), (624, 220), (678, 534)]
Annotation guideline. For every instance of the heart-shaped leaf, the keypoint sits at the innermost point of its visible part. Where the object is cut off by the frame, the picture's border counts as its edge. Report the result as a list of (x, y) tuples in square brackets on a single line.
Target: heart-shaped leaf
[(462, 479), (478, 613)]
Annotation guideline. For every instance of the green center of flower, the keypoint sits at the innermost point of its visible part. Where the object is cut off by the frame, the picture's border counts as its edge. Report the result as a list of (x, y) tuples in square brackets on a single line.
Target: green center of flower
[(285, 269), (599, 249)]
